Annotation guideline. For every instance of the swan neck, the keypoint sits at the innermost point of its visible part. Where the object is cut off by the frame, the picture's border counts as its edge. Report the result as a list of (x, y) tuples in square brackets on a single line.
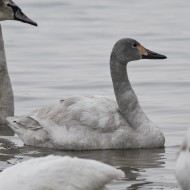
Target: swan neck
[(2, 50), (6, 93), (125, 95)]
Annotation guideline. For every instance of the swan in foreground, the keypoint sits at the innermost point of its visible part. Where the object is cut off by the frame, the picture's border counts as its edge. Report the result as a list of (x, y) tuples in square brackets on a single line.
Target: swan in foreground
[(183, 164), (94, 122), (8, 11), (56, 173)]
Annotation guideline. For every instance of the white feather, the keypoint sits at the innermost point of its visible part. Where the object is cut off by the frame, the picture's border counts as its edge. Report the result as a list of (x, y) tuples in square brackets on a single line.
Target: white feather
[(58, 173)]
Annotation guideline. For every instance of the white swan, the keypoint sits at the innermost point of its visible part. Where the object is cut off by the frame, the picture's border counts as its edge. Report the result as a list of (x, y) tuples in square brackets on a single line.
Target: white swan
[(57, 173), (183, 164), (93, 122), (8, 11)]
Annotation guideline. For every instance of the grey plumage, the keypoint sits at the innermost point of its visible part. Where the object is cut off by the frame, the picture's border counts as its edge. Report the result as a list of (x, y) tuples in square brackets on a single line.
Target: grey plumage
[(6, 92), (94, 122), (8, 11)]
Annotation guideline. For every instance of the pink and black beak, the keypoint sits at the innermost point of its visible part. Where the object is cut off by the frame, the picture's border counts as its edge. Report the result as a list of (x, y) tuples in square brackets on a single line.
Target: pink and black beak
[(147, 54), (20, 16)]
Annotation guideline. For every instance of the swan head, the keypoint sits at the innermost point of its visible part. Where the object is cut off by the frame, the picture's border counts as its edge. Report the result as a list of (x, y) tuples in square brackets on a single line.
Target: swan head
[(10, 11), (127, 49)]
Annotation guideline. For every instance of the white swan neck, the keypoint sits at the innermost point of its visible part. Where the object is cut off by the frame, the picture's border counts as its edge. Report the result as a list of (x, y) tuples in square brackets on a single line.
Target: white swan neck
[(125, 96)]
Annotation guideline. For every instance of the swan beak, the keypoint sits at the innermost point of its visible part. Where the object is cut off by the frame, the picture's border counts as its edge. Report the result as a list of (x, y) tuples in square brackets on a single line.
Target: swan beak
[(20, 16), (147, 54)]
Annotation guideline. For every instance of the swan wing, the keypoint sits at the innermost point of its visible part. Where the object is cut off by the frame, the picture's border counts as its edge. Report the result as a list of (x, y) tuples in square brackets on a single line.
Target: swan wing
[(77, 122)]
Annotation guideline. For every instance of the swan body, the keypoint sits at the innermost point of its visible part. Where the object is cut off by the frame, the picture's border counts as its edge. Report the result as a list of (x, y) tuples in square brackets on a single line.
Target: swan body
[(57, 173), (8, 11), (83, 123), (183, 164), (94, 122)]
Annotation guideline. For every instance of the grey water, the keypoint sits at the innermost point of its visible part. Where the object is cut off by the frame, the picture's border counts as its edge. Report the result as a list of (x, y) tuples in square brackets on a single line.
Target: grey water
[(68, 54)]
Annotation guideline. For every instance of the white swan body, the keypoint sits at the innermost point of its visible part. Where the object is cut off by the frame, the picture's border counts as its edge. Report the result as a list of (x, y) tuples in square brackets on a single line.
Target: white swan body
[(87, 123), (8, 11), (57, 173), (183, 164)]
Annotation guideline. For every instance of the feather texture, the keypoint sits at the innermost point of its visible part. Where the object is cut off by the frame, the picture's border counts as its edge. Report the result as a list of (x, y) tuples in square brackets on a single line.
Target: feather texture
[(94, 122), (83, 123), (58, 173)]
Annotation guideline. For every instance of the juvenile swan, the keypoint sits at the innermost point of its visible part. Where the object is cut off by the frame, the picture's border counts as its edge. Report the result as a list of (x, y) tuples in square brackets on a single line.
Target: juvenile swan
[(93, 122), (183, 164), (8, 11), (56, 173)]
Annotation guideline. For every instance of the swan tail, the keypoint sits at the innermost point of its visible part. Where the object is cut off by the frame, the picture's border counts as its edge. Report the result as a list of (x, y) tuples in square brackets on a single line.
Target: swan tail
[(23, 122), (29, 130)]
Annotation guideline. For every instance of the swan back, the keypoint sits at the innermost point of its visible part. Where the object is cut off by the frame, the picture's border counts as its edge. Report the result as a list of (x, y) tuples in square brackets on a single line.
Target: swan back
[(57, 173), (83, 123)]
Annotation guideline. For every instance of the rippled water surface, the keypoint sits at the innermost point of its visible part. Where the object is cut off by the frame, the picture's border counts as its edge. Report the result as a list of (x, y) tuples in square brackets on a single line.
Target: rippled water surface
[(68, 54)]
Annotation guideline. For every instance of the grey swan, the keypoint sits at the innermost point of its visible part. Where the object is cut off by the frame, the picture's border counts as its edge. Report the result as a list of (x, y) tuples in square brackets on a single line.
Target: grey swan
[(8, 11), (94, 122)]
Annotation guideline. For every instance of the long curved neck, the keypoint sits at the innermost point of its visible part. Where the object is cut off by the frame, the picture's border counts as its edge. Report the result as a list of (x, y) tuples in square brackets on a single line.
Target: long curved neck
[(125, 96), (6, 93), (2, 50)]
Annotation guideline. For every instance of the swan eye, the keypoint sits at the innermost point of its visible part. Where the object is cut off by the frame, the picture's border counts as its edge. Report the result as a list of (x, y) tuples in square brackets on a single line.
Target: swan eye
[(134, 45), (9, 5)]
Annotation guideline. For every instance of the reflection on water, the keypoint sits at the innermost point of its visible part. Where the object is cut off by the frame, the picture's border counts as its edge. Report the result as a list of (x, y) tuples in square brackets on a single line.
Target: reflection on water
[(68, 54), (135, 163)]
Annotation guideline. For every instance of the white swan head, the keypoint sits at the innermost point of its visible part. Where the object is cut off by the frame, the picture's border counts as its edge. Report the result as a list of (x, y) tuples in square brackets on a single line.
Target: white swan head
[(127, 49), (10, 11), (183, 164)]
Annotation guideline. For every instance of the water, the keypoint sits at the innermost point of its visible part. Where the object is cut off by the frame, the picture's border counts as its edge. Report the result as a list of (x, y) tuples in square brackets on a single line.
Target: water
[(68, 54)]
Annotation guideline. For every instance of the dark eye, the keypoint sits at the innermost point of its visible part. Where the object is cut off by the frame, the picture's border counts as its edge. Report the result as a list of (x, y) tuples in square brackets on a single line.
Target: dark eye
[(134, 45), (9, 5)]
